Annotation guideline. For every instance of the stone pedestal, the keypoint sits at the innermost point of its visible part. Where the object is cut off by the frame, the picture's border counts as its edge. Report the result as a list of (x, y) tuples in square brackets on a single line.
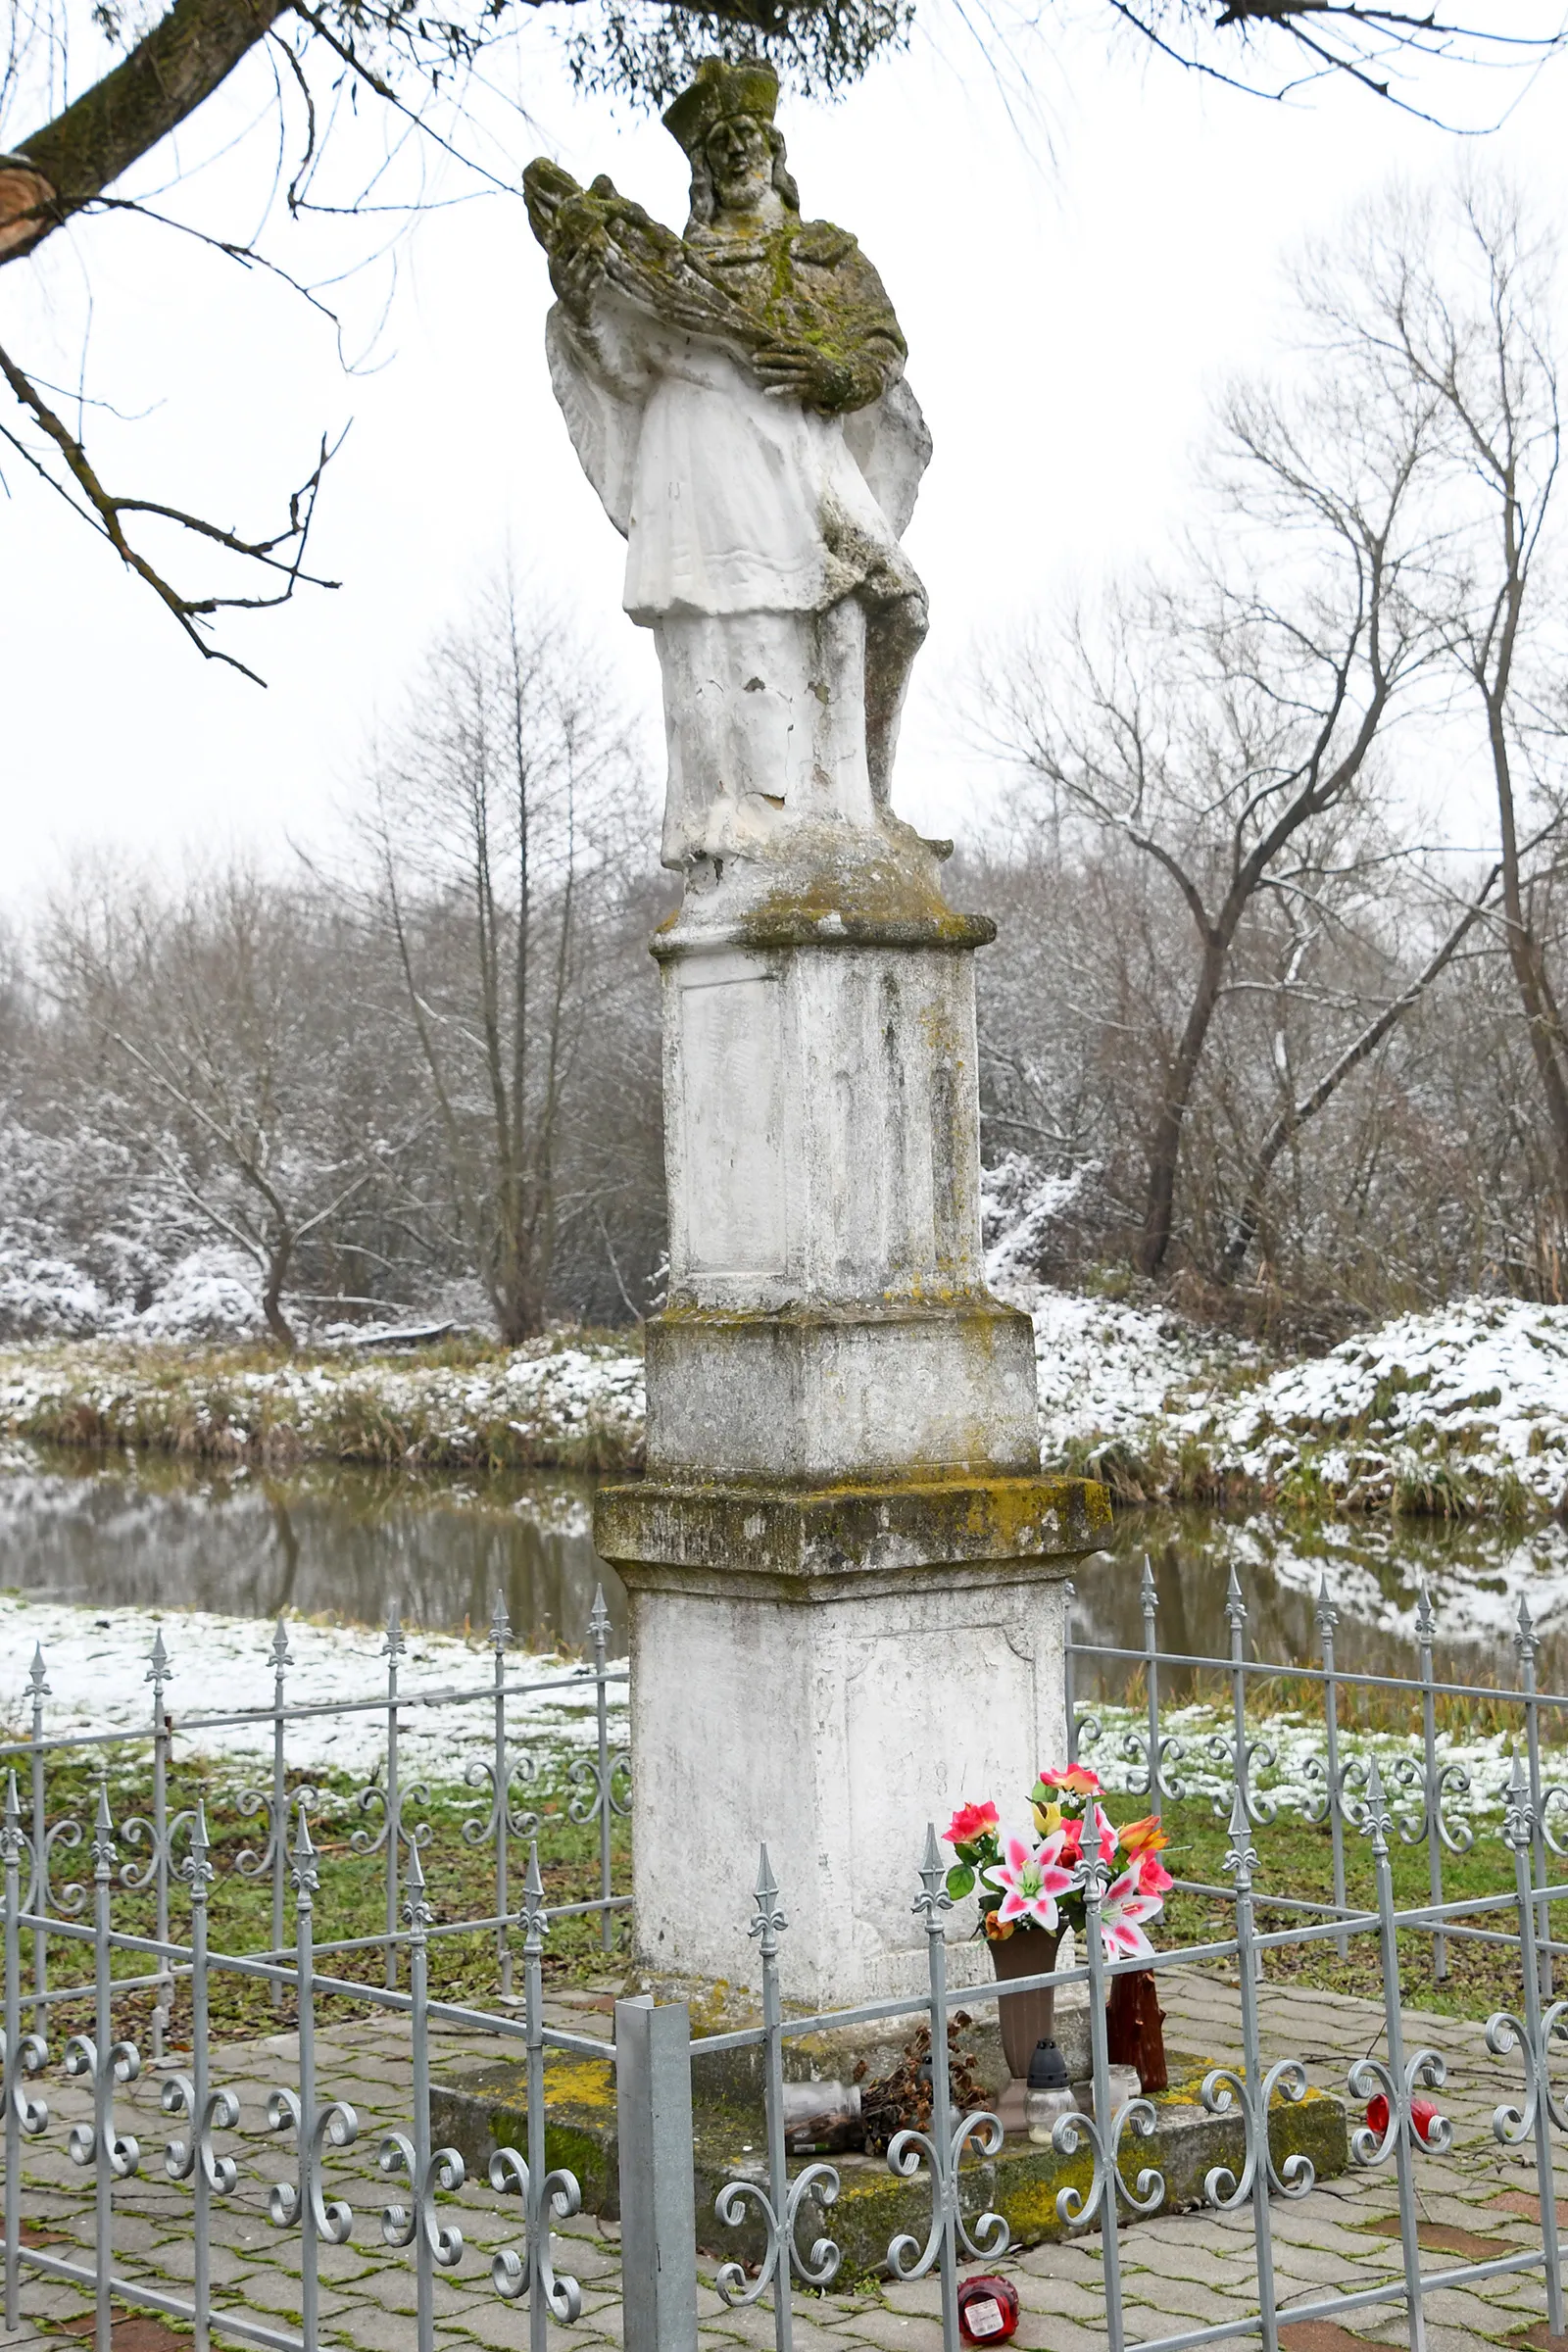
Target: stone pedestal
[(825, 1671), (845, 1568)]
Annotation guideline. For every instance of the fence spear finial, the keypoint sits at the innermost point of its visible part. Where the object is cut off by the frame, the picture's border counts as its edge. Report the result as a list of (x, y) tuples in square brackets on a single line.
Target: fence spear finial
[(198, 1869), (103, 1826), (500, 1624), (1518, 1817), (1240, 1855), (1234, 1605), (11, 1834), (303, 1872), (769, 1918), (1377, 1821), (933, 1897)]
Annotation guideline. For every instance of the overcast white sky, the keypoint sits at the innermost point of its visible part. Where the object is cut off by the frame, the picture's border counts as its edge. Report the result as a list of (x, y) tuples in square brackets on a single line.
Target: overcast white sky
[(1070, 305)]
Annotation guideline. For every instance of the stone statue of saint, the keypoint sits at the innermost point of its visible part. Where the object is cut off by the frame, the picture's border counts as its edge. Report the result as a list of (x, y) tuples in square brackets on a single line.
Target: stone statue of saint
[(736, 396)]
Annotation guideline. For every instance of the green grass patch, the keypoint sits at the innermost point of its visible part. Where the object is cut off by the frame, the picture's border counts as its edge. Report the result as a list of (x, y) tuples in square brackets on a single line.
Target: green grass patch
[(351, 1899), (1297, 1858)]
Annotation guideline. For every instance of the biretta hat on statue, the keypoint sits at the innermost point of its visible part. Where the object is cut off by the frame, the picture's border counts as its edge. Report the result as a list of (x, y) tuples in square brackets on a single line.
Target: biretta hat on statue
[(721, 90)]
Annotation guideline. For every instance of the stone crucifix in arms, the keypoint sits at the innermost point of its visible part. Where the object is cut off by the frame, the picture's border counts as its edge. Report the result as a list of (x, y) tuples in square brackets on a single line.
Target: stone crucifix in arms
[(736, 397)]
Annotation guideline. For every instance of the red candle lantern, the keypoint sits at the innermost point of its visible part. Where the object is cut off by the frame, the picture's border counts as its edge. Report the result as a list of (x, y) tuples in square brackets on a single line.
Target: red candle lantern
[(987, 2310)]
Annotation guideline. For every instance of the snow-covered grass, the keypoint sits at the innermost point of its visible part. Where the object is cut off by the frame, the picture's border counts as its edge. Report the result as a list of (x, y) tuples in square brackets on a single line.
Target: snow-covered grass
[(1461, 1409), (1292, 1743), (1459, 1412), (572, 1402), (1109, 1370), (96, 1664)]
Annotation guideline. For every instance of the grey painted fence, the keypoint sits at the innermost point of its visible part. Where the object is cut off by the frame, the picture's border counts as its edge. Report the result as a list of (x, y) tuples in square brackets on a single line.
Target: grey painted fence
[(167, 1857)]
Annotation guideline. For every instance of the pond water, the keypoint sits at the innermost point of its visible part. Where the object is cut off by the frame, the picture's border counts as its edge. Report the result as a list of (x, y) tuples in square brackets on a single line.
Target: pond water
[(331, 1539), (326, 1539)]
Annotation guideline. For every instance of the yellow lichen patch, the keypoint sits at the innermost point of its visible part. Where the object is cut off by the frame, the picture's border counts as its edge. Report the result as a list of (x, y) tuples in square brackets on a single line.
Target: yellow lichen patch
[(570, 2081)]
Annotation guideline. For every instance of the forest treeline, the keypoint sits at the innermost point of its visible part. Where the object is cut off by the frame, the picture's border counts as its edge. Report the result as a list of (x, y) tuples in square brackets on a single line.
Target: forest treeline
[(1276, 853)]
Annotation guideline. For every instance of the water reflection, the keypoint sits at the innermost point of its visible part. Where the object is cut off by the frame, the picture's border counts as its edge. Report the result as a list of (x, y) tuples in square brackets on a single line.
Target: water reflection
[(1476, 1575), (330, 1538)]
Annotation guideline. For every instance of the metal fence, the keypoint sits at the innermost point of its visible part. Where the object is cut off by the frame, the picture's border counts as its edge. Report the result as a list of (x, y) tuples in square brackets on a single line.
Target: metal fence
[(786, 2209)]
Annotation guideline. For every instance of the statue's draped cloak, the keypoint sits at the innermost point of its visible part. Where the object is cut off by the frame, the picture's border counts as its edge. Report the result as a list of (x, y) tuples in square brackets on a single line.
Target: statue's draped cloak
[(733, 499)]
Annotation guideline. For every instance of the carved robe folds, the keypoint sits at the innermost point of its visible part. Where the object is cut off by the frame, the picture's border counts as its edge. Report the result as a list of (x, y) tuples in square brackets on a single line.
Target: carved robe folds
[(762, 541)]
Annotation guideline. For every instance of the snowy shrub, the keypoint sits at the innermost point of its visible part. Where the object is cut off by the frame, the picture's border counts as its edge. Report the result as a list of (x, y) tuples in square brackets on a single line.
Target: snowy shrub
[(46, 1297), (210, 1294)]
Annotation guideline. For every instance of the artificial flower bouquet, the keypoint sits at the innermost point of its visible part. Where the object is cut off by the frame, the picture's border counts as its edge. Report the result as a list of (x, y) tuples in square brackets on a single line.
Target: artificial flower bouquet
[(1033, 1878)]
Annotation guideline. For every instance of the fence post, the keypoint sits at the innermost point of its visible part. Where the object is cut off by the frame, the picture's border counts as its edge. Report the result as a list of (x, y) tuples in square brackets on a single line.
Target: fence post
[(1398, 2079), (393, 1648), (1328, 1617), (37, 1693), (429, 2169), (1151, 1607), (1511, 2124), (23, 2054), (658, 2194), (283, 1659), (1431, 1788), (158, 1674), (1526, 1642), (500, 1644), (107, 2062), (303, 2201), (1241, 1861), (11, 1837)]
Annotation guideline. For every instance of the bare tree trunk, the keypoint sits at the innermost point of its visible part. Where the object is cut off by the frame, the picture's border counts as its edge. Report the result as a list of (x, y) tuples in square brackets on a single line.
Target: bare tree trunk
[(1542, 1022), (272, 1316), (1165, 1144), (1287, 1126)]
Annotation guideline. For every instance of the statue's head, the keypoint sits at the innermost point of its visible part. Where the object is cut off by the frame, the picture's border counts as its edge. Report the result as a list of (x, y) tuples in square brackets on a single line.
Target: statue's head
[(725, 123)]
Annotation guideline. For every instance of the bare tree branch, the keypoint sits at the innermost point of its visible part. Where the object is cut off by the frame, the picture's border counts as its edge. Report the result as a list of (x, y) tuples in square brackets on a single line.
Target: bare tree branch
[(105, 512)]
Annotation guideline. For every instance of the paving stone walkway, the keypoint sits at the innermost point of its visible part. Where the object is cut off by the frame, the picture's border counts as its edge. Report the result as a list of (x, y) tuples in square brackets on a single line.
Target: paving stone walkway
[(1182, 2271)]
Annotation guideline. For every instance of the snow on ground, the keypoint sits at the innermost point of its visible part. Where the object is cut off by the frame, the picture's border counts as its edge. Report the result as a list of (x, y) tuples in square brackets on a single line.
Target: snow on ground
[(1479, 1388), (1105, 1370), (1293, 1743), (551, 1390), (1459, 1410), (97, 1670)]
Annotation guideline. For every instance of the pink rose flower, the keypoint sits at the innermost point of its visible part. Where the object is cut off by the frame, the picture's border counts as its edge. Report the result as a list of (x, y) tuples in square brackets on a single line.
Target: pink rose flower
[(969, 1823)]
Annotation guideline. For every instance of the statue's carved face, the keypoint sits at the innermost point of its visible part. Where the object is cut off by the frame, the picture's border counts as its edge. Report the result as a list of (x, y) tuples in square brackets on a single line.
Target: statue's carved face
[(740, 162)]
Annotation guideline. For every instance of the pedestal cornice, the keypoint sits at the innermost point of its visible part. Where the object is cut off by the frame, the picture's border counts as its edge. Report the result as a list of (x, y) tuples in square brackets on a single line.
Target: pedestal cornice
[(823, 1544)]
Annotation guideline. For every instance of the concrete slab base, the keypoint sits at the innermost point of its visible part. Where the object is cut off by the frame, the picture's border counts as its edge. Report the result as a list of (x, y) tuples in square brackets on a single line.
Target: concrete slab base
[(486, 2108)]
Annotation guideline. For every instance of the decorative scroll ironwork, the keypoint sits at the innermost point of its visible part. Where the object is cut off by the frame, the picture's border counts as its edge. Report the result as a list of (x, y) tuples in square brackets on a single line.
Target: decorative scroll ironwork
[(524, 2272), (779, 2206), (942, 2147)]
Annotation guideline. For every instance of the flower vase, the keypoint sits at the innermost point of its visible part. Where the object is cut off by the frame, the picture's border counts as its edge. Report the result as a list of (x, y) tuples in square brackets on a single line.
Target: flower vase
[(1025, 2018)]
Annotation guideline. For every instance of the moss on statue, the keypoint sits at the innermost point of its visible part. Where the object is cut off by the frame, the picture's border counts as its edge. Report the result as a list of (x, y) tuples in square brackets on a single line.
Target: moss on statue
[(804, 281)]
